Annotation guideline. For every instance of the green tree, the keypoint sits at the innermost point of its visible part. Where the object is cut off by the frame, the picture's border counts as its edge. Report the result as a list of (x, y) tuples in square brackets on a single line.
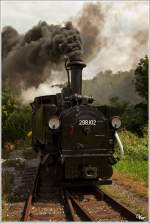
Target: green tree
[(8, 105), (17, 124), (120, 105), (16, 118), (134, 117), (141, 78)]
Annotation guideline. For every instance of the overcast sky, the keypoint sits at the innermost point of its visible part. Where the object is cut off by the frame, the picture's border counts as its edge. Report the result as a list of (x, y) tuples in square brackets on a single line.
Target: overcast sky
[(24, 14), (122, 20)]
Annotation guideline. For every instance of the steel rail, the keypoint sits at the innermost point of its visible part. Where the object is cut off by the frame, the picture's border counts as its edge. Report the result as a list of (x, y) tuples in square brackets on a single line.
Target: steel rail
[(74, 210), (81, 210), (116, 205), (28, 203), (70, 207)]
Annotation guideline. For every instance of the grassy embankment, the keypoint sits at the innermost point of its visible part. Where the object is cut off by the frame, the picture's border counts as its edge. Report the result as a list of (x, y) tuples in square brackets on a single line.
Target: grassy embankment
[(135, 163)]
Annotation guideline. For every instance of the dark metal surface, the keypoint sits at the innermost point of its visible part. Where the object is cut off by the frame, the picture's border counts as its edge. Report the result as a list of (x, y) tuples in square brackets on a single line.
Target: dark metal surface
[(91, 136), (76, 76), (85, 183), (69, 208)]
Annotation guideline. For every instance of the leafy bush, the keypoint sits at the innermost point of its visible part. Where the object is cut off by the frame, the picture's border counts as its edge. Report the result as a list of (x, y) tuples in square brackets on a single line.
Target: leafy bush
[(17, 124), (8, 105), (16, 118), (135, 163), (134, 117), (141, 78), (135, 147), (120, 105)]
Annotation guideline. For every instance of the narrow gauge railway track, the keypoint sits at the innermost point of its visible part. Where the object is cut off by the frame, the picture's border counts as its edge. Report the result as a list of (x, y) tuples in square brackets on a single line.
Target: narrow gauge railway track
[(48, 203), (95, 205), (44, 202)]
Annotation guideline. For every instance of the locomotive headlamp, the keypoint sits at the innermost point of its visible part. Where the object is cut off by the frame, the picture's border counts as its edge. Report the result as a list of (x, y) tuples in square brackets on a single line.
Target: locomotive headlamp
[(116, 122), (54, 122)]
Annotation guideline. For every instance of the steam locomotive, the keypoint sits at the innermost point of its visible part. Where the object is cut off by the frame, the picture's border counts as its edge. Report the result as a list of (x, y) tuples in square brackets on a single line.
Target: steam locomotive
[(75, 135)]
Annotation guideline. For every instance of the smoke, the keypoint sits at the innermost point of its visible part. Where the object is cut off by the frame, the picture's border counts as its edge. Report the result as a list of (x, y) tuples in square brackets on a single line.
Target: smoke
[(112, 35), (123, 37), (140, 45), (27, 58), (10, 39), (50, 87), (43, 89), (91, 23)]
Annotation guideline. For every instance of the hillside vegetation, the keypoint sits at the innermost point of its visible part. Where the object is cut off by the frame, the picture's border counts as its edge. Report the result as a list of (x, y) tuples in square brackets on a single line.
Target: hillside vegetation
[(107, 85)]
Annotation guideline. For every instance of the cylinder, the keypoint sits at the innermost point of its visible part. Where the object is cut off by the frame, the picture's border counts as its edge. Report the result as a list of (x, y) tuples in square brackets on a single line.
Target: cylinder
[(76, 68)]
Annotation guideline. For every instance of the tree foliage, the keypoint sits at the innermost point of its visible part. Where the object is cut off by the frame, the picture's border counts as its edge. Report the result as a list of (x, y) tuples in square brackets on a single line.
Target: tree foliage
[(8, 105), (120, 105), (18, 124), (141, 78), (108, 84), (134, 117), (16, 118)]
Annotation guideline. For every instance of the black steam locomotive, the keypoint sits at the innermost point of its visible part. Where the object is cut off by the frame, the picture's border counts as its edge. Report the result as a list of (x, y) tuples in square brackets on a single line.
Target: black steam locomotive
[(73, 134)]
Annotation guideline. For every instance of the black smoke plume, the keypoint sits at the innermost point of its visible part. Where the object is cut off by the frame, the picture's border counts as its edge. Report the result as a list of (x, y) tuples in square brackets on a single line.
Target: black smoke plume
[(28, 60), (25, 57), (91, 23), (36, 57)]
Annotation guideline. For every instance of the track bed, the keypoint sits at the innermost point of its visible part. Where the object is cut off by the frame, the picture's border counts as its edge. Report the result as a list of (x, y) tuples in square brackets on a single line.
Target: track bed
[(49, 202)]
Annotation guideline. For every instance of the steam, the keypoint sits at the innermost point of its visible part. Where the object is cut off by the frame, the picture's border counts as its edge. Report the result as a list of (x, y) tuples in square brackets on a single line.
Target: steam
[(49, 87)]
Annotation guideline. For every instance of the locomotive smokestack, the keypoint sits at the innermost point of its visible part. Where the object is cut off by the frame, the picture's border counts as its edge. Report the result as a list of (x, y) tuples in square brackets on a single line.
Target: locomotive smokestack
[(76, 68)]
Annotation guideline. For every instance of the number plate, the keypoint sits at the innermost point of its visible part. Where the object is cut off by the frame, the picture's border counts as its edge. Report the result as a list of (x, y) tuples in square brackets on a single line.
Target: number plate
[(87, 122)]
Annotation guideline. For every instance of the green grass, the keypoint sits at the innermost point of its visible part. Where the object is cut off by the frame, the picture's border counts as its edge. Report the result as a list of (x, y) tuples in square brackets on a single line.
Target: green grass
[(135, 169), (135, 164)]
